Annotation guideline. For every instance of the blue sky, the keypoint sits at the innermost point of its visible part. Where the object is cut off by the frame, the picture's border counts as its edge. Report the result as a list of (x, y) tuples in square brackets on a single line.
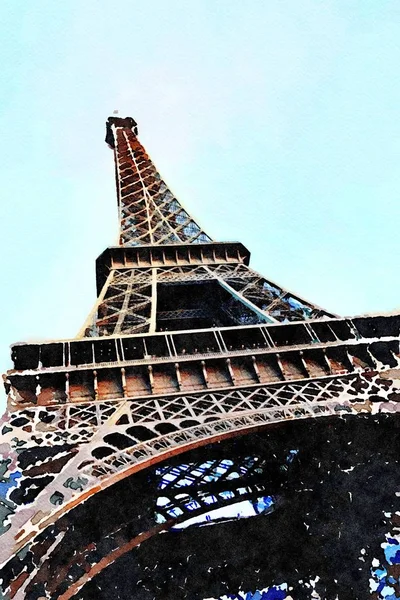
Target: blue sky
[(275, 122)]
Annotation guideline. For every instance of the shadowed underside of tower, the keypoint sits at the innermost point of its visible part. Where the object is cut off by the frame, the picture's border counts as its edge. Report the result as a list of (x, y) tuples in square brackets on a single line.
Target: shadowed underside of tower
[(203, 401)]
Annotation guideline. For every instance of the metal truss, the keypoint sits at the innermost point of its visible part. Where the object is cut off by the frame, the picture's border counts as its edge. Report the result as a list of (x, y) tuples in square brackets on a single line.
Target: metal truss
[(203, 417), (193, 489), (65, 423), (124, 306), (128, 301), (251, 287), (149, 212)]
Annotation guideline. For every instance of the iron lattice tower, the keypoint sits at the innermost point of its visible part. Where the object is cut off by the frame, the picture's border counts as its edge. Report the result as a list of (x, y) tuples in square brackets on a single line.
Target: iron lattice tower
[(161, 405)]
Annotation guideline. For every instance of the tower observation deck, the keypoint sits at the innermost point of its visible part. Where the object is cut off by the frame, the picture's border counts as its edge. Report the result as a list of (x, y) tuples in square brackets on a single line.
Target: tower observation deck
[(203, 401)]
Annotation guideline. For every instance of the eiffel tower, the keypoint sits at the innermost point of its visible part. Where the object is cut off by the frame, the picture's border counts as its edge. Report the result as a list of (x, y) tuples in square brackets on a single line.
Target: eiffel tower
[(203, 401)]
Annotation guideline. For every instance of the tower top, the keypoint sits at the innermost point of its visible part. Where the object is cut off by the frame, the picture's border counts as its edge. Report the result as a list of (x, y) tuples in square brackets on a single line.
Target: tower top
[(149, 213), (127, 122)]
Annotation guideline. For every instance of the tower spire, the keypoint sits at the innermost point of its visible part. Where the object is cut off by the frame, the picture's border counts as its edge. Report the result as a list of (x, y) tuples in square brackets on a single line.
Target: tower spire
[(149, 213)]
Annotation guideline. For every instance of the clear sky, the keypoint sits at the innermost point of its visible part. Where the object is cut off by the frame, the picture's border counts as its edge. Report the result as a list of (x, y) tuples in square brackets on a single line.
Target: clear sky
[(275, 122)]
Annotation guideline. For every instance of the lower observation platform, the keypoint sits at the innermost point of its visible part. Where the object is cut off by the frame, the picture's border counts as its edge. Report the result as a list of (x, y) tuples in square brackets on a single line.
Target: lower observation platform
[(187, 361)]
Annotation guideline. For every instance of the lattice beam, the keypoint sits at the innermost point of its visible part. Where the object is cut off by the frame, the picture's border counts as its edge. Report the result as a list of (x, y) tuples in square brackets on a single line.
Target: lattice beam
[(149, 212), (127, 303)]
